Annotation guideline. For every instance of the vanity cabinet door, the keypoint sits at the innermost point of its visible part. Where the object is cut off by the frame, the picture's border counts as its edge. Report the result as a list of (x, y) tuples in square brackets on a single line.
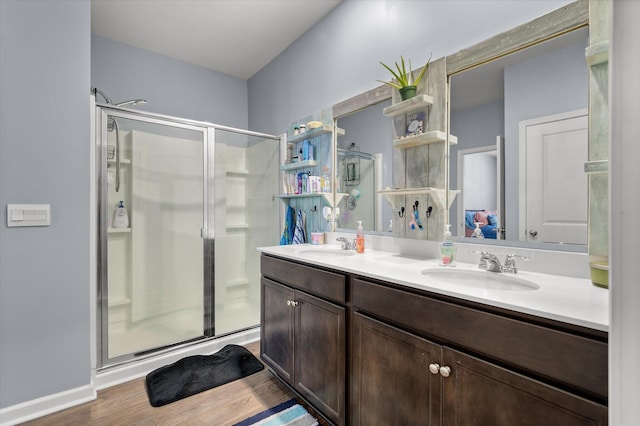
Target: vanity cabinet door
[(320, 354), (477, 392), (390, 379), (276, 339)]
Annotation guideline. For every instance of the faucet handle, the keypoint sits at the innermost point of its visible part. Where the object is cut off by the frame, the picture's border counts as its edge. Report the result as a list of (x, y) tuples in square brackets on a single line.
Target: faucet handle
[(510, 263), (512, 256)]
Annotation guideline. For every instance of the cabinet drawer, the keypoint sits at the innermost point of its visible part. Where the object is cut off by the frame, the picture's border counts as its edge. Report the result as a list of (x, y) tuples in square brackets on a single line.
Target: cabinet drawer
[(322, 283), (560, 357)]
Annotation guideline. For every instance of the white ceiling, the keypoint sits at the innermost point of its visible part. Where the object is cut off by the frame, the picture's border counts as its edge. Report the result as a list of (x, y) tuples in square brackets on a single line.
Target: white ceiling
[(235, 37)]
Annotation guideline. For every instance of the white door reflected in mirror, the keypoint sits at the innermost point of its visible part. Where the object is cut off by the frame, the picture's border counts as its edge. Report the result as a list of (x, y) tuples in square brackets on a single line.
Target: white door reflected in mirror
[(553, 185)]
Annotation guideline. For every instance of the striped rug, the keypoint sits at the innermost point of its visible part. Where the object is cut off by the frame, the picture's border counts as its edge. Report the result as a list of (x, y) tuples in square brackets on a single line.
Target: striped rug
[(288, 413)]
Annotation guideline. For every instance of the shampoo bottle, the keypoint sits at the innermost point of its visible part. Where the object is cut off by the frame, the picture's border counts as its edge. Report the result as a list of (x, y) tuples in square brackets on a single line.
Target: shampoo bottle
[(360, 238), (447, 249), (120, 216)]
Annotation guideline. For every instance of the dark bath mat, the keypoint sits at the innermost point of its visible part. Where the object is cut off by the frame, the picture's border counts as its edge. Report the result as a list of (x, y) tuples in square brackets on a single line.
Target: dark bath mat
[(198, 373)]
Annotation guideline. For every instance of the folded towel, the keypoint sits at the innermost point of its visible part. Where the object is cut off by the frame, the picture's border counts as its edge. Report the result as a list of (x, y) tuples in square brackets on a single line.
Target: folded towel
[(289, 225), (299, 234)]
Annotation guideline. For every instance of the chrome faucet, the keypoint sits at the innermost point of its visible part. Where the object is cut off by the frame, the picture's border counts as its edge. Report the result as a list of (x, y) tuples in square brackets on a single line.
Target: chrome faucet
[(346, 245), (490, 262)]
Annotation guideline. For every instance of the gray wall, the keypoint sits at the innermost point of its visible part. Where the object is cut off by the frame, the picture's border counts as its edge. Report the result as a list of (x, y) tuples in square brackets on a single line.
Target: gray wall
[(44, 159), (170, 86), (338, 58)]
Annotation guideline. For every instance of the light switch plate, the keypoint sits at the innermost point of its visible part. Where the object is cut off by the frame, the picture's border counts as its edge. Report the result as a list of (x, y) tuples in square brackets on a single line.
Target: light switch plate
[(28, 215)]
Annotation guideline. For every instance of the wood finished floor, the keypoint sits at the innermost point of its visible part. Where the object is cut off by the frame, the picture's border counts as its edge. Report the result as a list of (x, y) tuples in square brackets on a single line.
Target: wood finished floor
[(127, 404)]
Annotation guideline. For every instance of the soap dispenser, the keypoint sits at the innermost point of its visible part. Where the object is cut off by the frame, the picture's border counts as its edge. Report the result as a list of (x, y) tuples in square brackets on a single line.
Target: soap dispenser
[(447, 248), (360, 238), (477, 233)]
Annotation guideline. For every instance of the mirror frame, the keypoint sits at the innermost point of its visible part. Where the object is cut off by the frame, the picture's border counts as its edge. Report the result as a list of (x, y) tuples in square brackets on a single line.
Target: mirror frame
[(553, 24)]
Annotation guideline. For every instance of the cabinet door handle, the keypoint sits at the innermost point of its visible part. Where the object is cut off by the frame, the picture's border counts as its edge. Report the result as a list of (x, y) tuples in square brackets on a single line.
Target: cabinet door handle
[(293, 303), (445, 371), (434, 368)]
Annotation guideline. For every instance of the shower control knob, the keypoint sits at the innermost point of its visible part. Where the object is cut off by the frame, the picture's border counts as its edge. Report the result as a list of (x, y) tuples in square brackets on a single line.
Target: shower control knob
[(434, 368)]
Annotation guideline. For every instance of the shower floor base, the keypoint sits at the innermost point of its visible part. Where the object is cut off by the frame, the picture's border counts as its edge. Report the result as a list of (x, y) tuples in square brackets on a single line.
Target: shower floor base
[(179, 327)]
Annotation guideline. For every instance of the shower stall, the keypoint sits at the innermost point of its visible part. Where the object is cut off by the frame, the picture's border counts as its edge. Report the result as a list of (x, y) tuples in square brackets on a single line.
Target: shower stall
[(199, 199)]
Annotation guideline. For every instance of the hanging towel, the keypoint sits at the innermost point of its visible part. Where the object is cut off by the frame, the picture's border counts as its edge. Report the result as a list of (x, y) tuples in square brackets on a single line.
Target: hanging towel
[(287, 233), (299, 234)]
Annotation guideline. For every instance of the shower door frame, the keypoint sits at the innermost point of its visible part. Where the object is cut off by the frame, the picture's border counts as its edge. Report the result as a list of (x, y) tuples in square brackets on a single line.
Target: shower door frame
[(103, 111), (209, 144)]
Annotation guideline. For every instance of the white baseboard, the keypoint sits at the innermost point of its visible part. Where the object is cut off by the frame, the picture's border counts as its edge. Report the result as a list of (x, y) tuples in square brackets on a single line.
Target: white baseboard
[(39, 407), (135, 370), (49, 404)]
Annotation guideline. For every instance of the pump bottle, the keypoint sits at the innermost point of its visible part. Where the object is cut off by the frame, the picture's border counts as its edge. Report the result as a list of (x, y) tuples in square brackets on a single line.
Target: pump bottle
[(359, 238), (447, 249)]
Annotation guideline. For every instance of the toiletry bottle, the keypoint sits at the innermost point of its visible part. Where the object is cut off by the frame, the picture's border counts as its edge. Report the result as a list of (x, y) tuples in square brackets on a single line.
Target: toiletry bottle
[(360, 238), (447, 249), (325, 180), (305, 150), (120, 217), (477, 232)]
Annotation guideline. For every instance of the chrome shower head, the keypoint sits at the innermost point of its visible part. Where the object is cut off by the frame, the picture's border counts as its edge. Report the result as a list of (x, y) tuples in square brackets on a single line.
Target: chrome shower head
[(131, 102)]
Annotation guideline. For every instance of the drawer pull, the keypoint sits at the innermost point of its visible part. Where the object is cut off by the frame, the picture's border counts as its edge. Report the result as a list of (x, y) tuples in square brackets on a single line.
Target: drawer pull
[(434, 368), (445, 371)]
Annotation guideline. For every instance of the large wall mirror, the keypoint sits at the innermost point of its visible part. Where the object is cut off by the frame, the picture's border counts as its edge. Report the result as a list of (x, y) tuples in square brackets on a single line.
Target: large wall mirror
[(522, 128), (365, 166), (511, 98)]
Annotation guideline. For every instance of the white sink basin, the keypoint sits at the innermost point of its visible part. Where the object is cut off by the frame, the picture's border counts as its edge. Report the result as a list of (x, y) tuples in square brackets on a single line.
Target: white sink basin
[(327, 251), (480, 279)]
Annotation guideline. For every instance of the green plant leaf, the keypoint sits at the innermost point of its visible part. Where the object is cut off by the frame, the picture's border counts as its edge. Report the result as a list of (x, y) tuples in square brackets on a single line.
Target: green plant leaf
[(403, 76), (422, 73)]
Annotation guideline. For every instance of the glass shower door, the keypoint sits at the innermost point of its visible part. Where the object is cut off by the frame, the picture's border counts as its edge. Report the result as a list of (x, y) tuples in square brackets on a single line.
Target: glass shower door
[(152, 293)]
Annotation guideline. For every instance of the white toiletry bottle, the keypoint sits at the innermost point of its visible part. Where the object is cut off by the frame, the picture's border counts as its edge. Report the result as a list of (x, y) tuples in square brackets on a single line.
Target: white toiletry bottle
[(120, 216), (360, 238), (477, 232), (447, 249)]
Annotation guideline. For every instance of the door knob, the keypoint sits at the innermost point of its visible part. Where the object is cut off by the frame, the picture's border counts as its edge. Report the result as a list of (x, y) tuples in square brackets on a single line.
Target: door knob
[(434, 368), (445, 371), (533, 233)]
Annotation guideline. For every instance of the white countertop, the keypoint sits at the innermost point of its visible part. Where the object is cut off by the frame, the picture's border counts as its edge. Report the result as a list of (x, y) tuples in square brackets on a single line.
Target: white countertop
[(566, 299)]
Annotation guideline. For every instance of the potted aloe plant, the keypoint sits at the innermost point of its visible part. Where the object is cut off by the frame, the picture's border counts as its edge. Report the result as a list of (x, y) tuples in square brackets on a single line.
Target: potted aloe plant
[(404, 81)]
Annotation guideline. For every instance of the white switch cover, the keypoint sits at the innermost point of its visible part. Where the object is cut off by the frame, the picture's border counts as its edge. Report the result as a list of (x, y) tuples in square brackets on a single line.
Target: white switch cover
[(28, 215)]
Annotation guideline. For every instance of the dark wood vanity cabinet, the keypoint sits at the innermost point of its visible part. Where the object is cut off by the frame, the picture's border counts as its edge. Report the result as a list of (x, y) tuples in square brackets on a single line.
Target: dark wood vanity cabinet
[(417, 358), (303, 335), (458, 375)]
